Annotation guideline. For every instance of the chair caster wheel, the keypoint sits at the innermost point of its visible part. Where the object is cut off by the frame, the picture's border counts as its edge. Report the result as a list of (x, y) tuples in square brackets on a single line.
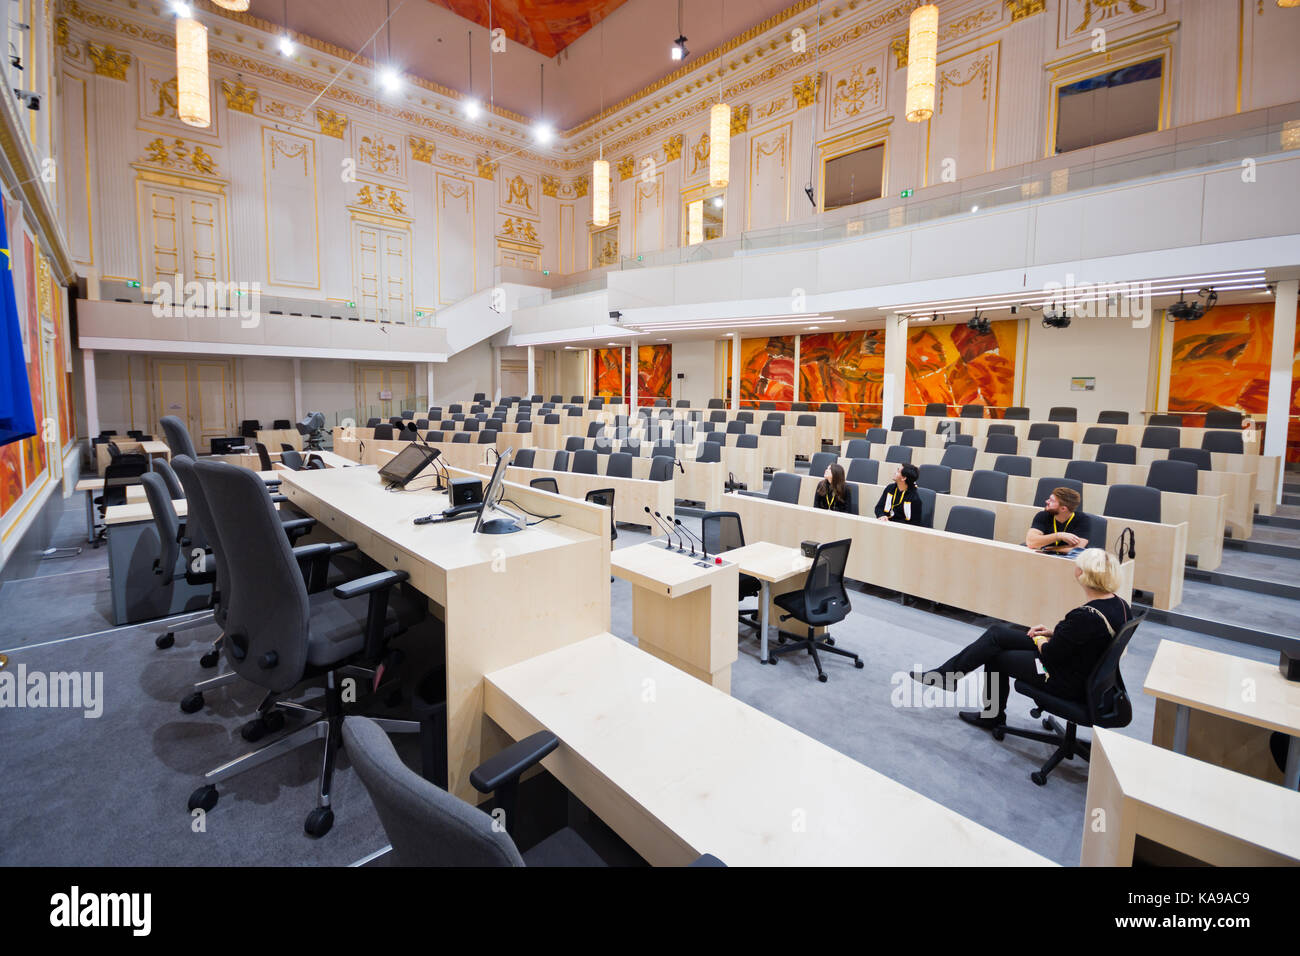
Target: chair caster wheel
[(204, 798), (999, 733), (319, 822), (830, 642), (210, 659), (822, 678), (1047, 723), (1038, 777), (192, 702), (859, 665), (770, 660), (163, 641), (1036, 712), (259, 727)]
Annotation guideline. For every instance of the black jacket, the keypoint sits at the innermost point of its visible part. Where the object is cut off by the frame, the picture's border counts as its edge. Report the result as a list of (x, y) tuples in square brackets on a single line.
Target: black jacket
[(1077, 643), (891, 503), (827, 500)]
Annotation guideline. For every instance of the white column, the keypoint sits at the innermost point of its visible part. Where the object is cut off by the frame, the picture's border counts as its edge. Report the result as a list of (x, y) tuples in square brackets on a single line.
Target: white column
[(587, 390), (895, 368), (92, 397), (532, 373), (634, 358), (428, 382), (798, 339), (298, 413), (735, 371), (1279, 379)]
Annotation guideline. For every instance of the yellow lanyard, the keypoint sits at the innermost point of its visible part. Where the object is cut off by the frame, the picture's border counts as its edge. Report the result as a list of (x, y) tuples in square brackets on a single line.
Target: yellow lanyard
[(895, 498), (830, 499), (1067, 522)]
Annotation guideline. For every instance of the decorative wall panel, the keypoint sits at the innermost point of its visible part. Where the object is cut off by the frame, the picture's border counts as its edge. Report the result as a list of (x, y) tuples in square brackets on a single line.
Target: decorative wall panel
[(766, 371), (289, 171), (954, 365), (847, 368), (654, 373), (611, 373)]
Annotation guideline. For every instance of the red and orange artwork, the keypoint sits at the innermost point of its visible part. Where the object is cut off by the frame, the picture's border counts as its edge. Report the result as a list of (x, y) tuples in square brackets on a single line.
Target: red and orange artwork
[(654, 373), (847, 368), (34, 447), (958, 366), (547, 26), (610, 372), (11, 475), (62, 378), (767, 371)]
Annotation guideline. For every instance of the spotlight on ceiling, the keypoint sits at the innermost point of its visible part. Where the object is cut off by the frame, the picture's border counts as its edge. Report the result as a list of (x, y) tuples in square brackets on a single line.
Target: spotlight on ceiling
[(286, 46), (390, 80), (472, 108), (543, 132), (1184, 311), (1055, 320), (679, 51), (979, 324)]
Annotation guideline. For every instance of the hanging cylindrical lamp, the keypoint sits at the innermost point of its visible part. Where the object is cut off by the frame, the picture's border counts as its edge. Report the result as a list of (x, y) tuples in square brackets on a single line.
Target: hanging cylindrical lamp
[(922, 62), (239, 6), (600, 192), (192, 72), (695, 229), (719, 145)]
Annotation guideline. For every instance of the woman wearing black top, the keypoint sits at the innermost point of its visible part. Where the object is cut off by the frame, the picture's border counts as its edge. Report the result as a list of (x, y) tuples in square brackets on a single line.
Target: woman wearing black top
[(1067, 652), (900, 502), (831, 494)]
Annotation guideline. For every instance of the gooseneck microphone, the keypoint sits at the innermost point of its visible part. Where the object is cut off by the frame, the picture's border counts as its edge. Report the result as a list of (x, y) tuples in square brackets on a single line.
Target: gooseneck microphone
[(410, 427), (669, 520), (680, 467), (703, 549), (654, 516)]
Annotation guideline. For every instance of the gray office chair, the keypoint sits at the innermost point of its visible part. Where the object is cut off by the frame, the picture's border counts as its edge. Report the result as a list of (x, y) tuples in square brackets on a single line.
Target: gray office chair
[(806, 421), (864, 471), (949, 427), (487, 437), (718, 416), (716, 403), (857, 448), (898, 454), (1135, 502), (545, 484), (460, 438), (1223, 442), (407, 435), (661, 469), (384, 432), (966, 440), (784, 487), (736, 427), (1197, 456), (1222, 418), (877, 436), (1088, 472), (938, 478), (663, 449), (1063, 413), (434, 437), (574, 443), (777, 417), (1117, 454), (170, 481), (746, 441), (619, 465), (972, 411), (585, 462), (929, 499), (1016, 413), (717, 438), (1165, 421), (959, 457), (746, 417), (936, 410), (770, 427), (708, 452), (1047, 485), (800, 407), (277, 635), (524, 457), (970, 521), (1175, 476), (468, 425), (427, 826), (575, 412), (1056, 448), (1002, 444), (178, 436), (912, 438), (1100, 436), (1000, 430), (1040, 430), (172, 562), (1112, 418), (989, 485), (1017, 465), (820, 462), (902, 423), (822, 601), (1155, 437)]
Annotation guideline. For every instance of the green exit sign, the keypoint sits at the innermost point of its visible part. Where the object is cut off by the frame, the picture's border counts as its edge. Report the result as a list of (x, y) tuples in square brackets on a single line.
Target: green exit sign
[(419, 314), (905, 193), (133, 284), (351, 304)]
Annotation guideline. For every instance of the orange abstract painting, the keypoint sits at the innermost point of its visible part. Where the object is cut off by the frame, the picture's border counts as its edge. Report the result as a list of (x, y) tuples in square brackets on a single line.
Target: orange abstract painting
[(610, 373), (958, 366), (654, 373), (767, 371), (34, 447), (847, 368)]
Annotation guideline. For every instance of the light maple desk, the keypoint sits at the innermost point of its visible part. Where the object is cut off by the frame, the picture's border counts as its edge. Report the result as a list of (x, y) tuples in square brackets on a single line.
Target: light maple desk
[(775, 566), (1005, 581), (1214, 815), (502, 598), (273, 438), (682, 613), (678, 769), (129, 447), (1222, 709)]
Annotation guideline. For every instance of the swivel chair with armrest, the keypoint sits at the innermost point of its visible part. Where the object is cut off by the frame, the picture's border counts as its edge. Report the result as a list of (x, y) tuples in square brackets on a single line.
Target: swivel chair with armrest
[(722, 531), (122, 471), (821, 602)]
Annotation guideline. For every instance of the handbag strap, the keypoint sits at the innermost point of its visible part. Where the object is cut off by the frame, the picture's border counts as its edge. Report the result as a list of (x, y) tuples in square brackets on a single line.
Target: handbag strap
[(1105, 620)]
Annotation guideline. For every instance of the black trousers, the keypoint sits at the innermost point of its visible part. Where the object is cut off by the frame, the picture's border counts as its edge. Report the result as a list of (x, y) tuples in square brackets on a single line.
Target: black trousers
[(1004, 651)]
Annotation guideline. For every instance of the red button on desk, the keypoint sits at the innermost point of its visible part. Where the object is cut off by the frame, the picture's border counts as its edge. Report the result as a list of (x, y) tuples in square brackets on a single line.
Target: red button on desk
[(717, 560)]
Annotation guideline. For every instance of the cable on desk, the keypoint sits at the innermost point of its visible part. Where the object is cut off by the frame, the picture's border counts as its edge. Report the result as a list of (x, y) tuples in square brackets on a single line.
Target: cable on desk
[(527, 512)]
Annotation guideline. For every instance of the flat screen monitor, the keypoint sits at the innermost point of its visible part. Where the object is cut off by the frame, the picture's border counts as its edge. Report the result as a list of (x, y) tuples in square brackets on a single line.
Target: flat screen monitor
[(491, 502), (406, 464)]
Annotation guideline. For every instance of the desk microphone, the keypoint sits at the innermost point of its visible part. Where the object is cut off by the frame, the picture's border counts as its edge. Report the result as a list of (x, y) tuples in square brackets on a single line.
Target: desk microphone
[(668, 519), (679, 466), (654, 516), (433, 460), (703, 549)]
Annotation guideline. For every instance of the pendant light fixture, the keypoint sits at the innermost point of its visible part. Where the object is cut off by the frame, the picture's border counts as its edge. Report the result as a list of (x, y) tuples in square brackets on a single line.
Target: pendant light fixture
[(720, 131), (192, 88), (922, 62), (600, 167), (472, 106), (286, 43), (695, 227), (542, 130)]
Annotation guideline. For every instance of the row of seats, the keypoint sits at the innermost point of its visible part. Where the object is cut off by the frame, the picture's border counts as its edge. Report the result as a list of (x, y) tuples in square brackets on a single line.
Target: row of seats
[(1153, 436), (1220, 418), (586, 460), (1120, 454), (249, 427)]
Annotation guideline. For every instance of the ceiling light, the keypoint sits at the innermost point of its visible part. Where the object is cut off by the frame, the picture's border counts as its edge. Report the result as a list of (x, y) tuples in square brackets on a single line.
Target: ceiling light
[(679, 51), (717, 202), (286, 45), (814, 327), (974, 208), (192, 72), (600, 192), (719, 145), (922, 62), (182, 10), (472, 109), (390, 80), (543, 132)]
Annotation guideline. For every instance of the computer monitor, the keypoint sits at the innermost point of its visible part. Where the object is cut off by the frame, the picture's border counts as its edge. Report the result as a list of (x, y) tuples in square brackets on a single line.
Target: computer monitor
[(406, 464), (491, 502)]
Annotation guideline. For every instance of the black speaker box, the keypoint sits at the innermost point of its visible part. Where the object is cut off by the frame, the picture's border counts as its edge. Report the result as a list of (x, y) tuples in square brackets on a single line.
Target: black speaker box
[(465, 491)]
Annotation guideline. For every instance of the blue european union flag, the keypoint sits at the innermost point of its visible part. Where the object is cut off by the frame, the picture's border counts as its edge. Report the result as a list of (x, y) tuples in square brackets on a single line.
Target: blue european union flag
[(16, 418)]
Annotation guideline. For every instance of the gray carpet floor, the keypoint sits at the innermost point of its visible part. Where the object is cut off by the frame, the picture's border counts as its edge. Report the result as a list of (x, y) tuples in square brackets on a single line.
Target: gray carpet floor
[(112, 790)]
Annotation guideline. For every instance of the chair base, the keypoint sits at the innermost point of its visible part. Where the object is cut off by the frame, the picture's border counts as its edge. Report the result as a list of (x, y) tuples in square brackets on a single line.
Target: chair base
[(1068, 744), (812, 644)]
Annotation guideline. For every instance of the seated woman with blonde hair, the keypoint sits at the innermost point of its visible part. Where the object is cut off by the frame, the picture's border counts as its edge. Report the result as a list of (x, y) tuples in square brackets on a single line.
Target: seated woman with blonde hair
[(1059, 658)]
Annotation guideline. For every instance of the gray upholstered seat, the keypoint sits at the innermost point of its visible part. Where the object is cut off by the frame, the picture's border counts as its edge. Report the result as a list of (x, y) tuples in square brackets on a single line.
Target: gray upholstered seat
[(1002, 444), (989, 485), (784, 487), (1014, 465), (857, 448), (1040, 430), (1117, 454), (1056, 448), (1197, 456), (1135, 502), (1099, 436), (619, 465), (959, 457), (898, 454), (1176, 476), (1047, 485), (912, 438), (864, 471), (935, 477), (1088, 472), (1156, 437), (1223, 442), (820, 462), (968, 520)]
